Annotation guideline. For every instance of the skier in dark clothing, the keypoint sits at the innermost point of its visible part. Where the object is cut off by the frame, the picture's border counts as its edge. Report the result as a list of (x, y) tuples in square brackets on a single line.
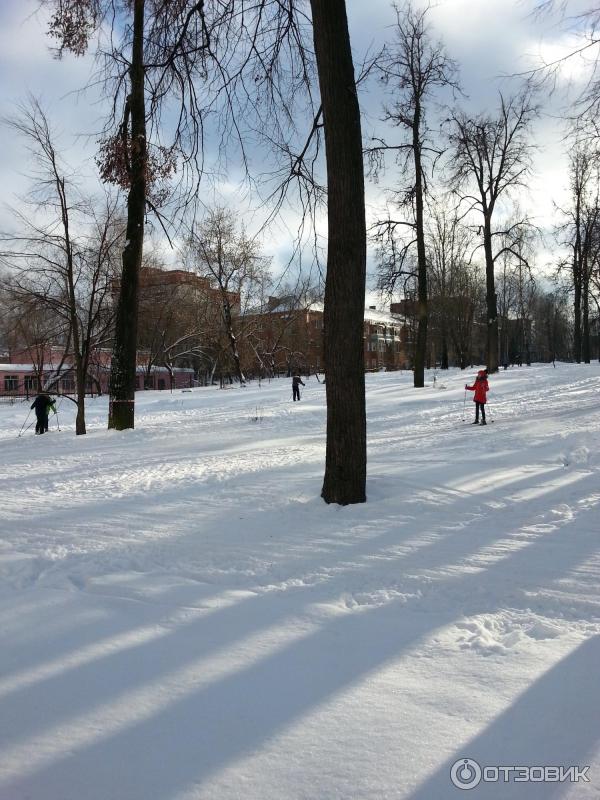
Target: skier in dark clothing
[(296, 384), (481, 388), (42, 404)]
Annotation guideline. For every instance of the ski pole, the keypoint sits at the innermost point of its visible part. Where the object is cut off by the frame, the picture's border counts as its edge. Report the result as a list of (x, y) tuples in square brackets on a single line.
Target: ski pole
[(56, 414), (27, 428), (487, 408), (23, 425), (464, 406)]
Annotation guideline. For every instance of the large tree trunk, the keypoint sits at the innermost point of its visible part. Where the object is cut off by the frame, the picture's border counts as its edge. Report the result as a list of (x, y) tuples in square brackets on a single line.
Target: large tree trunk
[(227, 319), (422, 311), (346, 454), (122, 374), (80, 418), (491, 300), (81, 366), (80, 361)]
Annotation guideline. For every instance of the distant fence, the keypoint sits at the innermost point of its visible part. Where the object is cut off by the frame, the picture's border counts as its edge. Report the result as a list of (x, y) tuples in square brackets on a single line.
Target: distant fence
[(15, 391)]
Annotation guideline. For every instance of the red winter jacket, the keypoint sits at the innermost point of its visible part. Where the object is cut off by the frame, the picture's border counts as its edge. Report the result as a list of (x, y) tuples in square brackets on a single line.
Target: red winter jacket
[(480, 387)]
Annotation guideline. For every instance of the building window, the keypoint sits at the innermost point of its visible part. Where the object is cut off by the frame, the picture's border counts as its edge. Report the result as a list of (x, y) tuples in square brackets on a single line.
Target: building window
[(67, 385), (31, 383), (161, 383), (11, 383)]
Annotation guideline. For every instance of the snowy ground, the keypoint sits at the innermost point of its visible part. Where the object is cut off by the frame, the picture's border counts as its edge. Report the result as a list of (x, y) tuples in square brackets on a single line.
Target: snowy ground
[(181, 617)]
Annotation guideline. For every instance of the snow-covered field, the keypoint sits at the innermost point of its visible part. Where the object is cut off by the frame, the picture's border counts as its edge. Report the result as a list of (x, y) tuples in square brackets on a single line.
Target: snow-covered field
[(182, 617)]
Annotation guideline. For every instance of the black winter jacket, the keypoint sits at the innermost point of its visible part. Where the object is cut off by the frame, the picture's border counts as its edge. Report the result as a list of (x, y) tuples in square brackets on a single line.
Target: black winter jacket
[(41, 404)]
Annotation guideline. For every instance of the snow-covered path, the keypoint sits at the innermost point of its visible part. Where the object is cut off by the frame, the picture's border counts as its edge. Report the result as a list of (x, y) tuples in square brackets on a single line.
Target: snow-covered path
[(181, 617)]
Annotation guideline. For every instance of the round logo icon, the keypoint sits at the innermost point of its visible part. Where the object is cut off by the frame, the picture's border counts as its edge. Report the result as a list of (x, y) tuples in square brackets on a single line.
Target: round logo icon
[(465, 773)]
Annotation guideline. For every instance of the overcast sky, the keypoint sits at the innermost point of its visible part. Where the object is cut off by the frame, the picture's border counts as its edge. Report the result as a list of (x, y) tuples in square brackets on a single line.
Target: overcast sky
[(488, 38)]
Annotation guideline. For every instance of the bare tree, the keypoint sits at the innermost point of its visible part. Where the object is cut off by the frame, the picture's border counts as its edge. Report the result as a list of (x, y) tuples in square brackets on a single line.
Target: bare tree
[(281, 330), (414, 67), (552, 325), (170, 49), (579, 232), (63, 252), (181, 61), (29, 327), (490, 159), (154, 52), (233, 263), (454, 282), (180, 318), (584, 26), (518, 293)]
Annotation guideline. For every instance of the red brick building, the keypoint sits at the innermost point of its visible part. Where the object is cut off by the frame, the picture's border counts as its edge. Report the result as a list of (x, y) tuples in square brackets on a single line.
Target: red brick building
[(286, 337)]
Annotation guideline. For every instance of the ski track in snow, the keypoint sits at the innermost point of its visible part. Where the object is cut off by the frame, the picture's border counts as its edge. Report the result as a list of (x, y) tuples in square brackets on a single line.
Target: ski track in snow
[(182, 618)]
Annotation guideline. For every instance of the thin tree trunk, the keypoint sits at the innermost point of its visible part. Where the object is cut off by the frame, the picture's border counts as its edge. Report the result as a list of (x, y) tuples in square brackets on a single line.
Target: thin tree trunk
[(585, 321), (80, 418), (123, 366), (577, 323), (444, 361), (577, 270), (233, 342), (346, 453), (491, 300)]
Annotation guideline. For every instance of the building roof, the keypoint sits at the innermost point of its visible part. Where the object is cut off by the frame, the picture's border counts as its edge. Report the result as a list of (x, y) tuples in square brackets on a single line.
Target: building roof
[(24, 368), (153, 369), (289, 305), (383, 317)]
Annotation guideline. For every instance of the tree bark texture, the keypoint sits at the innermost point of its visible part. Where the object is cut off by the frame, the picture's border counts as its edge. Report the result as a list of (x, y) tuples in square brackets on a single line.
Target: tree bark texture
[(346, 452), (124, 361), (585, 318), (421, 344), (577, 282), (227, 318), (491, 299), (577, 317)]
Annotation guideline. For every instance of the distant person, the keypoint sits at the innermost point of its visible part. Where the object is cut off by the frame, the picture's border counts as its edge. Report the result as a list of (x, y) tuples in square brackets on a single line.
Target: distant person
[(42, 405), (481, 388), (296, 384)]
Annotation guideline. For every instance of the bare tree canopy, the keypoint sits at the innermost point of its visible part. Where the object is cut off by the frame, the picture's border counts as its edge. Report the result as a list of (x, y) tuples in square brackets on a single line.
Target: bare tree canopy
[(413, 67), (62, 252), (491, 157), (167, 66), (232, 262)]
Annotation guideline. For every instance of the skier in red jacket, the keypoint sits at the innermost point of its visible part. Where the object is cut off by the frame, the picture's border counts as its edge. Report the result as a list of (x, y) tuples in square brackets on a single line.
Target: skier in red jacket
[(481, 388)]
